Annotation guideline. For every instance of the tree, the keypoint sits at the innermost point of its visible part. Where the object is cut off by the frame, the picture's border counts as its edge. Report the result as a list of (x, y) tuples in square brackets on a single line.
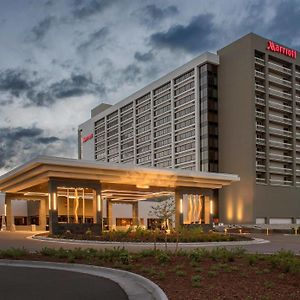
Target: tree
[(164, 211)]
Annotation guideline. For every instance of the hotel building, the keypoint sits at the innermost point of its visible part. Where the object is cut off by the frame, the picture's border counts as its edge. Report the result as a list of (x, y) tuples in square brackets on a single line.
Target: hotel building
[(236, 111)]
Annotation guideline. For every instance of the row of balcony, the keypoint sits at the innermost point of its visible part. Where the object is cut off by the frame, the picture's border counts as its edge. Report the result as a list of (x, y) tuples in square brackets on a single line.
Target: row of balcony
[(276, 66)]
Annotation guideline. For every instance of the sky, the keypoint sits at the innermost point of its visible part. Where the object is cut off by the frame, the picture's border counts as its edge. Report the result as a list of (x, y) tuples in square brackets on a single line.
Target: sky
[(59, 59)]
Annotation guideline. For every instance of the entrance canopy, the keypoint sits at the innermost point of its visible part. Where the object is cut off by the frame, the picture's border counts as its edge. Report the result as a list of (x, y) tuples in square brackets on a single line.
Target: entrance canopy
[(118, 181), (72, 192)]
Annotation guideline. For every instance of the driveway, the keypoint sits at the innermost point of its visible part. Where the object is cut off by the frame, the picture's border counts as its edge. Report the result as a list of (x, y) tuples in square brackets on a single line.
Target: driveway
[(31, 283), (20, 239)]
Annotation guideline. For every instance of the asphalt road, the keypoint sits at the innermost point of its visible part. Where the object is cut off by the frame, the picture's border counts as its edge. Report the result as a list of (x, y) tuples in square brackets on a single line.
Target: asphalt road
[(32, 284), (20, 239)]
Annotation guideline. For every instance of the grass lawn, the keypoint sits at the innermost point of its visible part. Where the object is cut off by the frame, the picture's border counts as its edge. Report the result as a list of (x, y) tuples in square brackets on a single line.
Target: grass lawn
[(195, 274)]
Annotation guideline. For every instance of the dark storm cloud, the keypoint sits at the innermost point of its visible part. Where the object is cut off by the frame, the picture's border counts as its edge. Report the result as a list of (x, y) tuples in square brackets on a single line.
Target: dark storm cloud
[(76, 85), (16, 81), (151, 15), (197, 36), (95, 40), (31, 91), (84, 9), (143, 57), (18, 145), (39, 31)]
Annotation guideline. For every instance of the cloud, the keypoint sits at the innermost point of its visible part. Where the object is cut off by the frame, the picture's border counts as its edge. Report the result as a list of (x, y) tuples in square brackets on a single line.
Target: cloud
[(39, 31), (30, 90), (87, 8), (95, 40), (18, 144), (151, 14), (16, 81), (196, 36), (143, 57), (285, 25), (76, 85), (131, 73)]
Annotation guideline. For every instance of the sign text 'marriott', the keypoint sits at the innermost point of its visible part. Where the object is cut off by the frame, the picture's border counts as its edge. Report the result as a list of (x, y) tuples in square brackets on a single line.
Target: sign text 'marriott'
[(280, 49), (87, 138)]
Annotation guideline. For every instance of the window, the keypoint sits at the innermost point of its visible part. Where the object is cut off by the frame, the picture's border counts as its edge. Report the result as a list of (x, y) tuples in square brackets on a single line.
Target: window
[(185, 123), (185, 147), (112, 115), (184, 88), (142, 99), (184, 76), (126, 107), (162, 88), (162, 110), (184, 100), (162, 99), (162, 121), (185, 111), (163, 131), (162, 142), (185, 135)]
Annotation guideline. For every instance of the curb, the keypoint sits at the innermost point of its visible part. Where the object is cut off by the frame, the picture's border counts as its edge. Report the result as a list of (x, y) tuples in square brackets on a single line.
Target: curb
[(255, 241), (135, 286)]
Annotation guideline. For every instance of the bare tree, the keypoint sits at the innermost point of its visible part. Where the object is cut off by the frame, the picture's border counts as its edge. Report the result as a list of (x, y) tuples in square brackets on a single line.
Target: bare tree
[(164, 211)]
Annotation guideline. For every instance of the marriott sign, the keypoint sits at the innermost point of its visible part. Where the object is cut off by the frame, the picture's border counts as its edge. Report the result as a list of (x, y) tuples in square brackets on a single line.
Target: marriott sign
[(280, 49)]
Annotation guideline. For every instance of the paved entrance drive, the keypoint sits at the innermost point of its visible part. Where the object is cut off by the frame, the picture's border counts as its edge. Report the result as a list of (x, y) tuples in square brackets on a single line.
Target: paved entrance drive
[(31, 283), (20, 239)]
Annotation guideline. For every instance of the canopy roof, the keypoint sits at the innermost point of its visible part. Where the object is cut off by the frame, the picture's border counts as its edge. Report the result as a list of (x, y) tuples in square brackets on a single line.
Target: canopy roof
[(34, 175)]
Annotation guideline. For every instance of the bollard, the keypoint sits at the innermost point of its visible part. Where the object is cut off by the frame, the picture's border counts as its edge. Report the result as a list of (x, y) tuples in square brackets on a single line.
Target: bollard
[(296, 230), (267, 231), (225, 230)]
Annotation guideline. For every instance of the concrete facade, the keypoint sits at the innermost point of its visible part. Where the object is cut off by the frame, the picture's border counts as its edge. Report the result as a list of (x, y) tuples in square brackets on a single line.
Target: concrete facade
[(243, 117), (259, 102)]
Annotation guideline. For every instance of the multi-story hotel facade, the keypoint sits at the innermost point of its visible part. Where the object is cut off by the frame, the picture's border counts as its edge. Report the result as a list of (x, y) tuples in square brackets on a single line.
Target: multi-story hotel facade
[(237, 111)]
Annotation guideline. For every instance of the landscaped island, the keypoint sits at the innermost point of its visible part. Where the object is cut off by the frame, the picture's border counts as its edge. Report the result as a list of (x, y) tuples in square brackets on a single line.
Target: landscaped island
[(184, 235), (193, 275)]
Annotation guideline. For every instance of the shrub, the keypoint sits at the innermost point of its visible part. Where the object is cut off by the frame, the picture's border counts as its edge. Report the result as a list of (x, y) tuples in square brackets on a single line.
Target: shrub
[(48, 252), (196, 281), (252, 259), (196, 278), (14, 253), (212, 274), (161, 275), (286, 261), (163, 257), (198, 254), (180, 273)]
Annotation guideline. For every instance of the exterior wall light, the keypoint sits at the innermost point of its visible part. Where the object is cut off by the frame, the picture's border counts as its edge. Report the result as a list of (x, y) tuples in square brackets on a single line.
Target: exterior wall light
[(98, 203), (49, 201), (142, 186), (180, 206), (54, 201)]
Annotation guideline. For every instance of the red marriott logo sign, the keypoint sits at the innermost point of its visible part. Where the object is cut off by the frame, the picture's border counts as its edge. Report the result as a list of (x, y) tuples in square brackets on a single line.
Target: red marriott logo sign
[(87, 138), (280, 49)]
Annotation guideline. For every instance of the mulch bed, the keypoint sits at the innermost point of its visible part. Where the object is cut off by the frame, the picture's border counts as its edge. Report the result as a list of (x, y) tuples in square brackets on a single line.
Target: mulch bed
[(182, 278)]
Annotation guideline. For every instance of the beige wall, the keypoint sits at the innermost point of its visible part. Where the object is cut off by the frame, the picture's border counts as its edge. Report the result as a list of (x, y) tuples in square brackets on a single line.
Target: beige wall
[(237, 130)]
